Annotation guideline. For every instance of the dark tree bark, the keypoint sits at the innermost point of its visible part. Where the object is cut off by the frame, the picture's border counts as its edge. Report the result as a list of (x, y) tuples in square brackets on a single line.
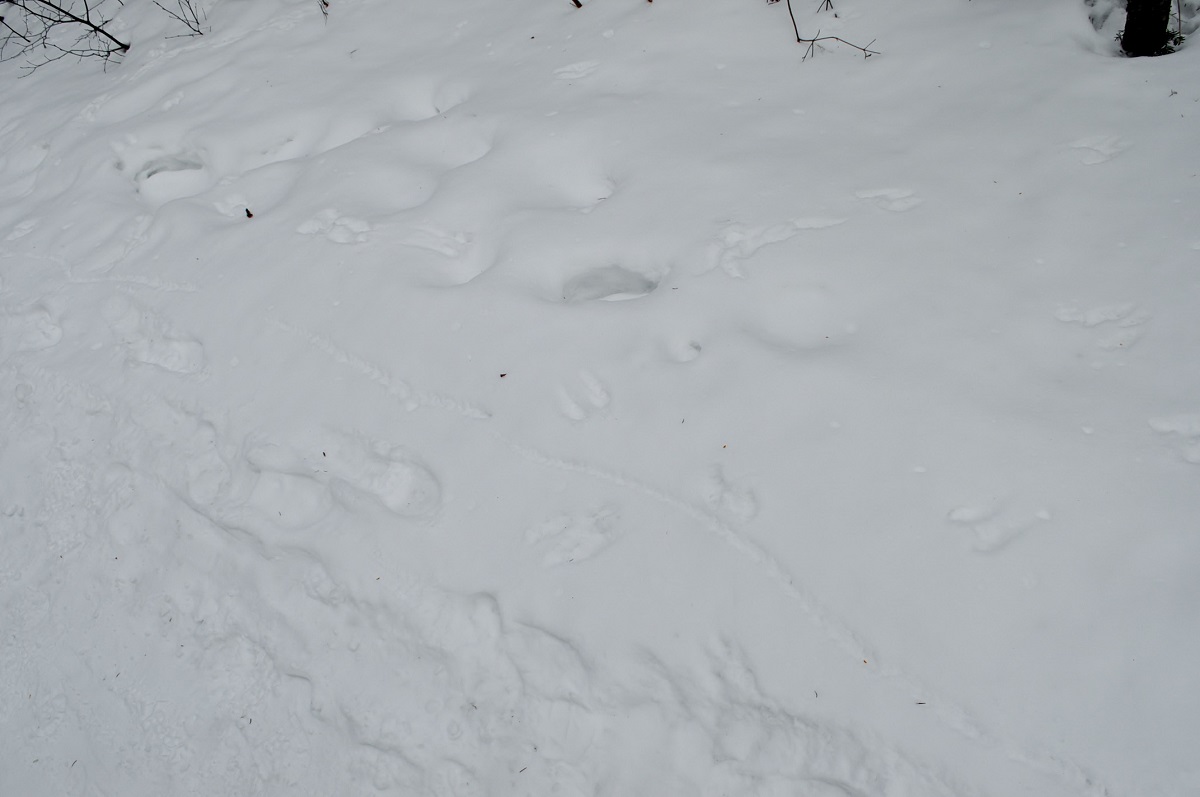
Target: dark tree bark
[(1146, 27)]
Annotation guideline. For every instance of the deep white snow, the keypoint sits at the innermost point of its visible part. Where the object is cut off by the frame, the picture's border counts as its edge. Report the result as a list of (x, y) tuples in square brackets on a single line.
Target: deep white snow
[(479, 398)]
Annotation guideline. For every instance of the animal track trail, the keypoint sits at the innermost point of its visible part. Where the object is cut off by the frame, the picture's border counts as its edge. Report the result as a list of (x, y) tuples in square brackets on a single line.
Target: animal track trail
[(148, 339), (570, 539), (750, 550), (119, 246), (589, 395), (419, 98), (393, 386), (954, 717)]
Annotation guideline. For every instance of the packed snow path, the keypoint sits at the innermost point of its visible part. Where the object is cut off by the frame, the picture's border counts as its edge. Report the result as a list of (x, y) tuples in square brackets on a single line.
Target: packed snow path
[(458, 399)]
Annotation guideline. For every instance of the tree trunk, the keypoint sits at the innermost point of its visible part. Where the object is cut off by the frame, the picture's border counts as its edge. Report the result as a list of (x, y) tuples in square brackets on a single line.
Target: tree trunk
[(1146, 27)]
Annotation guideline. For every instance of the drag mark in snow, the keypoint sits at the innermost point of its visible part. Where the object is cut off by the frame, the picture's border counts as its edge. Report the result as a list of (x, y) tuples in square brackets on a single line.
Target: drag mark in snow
[(395, 388)]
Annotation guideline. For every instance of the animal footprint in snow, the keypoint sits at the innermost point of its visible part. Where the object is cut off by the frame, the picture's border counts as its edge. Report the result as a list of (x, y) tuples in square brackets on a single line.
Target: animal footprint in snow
[(21, 229), (391, 475), (737, 242), (729, 500), (148, 339), (1125, 319), (187, 454), (1099, 149), (609, 284), (160, 174), (590, 392), (576, 71), (683, 349), (574, 538), (336, 227), (1071, 314), (992, 530), (897, 200), (283, 493), (1185, 429), (443, 242), (28, 330), (232, 205)]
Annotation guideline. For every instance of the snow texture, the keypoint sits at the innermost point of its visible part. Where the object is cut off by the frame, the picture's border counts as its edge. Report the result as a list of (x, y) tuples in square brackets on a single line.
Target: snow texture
[(468, 398)]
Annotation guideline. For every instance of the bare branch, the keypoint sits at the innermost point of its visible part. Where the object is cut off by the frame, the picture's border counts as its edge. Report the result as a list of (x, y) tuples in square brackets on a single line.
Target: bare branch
[(812, 43), (41, 32), (188, 15)]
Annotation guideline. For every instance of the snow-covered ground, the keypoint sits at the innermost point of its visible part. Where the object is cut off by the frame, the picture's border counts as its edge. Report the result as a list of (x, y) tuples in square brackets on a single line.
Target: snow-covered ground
[(478, 398)]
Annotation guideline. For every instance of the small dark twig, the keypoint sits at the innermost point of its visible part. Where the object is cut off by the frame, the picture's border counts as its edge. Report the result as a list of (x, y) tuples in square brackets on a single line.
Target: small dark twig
[(812, 43), (15, 32)]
